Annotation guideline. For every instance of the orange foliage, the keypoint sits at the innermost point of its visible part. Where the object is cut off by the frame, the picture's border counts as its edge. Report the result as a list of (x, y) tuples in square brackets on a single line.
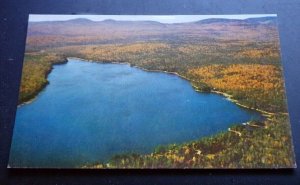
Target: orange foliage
[(240, 76), (258, 53), (261, 86)]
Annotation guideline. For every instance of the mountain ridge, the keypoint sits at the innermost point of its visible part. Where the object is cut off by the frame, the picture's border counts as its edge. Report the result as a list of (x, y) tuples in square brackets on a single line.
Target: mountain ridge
[(85, 31), (204, 21)]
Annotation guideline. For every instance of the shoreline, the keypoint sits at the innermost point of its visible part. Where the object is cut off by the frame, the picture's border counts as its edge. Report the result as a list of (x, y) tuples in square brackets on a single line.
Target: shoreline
[(265, 114), (226, 95), (197, 89), (38, 91)]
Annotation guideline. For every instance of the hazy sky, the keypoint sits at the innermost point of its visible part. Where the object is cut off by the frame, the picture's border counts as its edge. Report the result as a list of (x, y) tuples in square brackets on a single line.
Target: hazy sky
[(158, 18)]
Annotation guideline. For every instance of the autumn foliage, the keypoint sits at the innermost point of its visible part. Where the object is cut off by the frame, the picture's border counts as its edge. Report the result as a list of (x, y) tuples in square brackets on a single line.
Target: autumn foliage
[(267, 146), (255, 85), (34, 75), (240, 59)]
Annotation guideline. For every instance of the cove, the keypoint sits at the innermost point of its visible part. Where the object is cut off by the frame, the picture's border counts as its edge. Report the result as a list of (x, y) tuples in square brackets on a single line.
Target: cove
[(92, 111)]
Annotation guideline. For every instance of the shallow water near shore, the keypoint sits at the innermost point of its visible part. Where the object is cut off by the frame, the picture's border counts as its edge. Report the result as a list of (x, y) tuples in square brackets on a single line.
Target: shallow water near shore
[(91, 111)]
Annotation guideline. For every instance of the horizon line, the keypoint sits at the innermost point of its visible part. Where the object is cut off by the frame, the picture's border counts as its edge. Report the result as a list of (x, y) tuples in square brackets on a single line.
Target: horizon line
[(165, 19)]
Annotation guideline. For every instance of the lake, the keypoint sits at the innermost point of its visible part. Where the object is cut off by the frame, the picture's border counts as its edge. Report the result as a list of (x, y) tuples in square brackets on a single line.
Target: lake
[(92, 111)]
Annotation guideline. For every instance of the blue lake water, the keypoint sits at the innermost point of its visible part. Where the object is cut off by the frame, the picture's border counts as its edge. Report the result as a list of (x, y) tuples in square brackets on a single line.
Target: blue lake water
[(91, 111)]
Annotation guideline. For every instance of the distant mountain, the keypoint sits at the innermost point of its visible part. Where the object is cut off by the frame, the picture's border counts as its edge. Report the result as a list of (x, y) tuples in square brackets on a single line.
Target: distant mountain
[(80, 21), (260, 20), (104, 22), (109, 20), (217, 20), (85, 31)]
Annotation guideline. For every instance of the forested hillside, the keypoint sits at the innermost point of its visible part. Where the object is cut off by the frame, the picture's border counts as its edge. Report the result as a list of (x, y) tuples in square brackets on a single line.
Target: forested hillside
[(238, 57)]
